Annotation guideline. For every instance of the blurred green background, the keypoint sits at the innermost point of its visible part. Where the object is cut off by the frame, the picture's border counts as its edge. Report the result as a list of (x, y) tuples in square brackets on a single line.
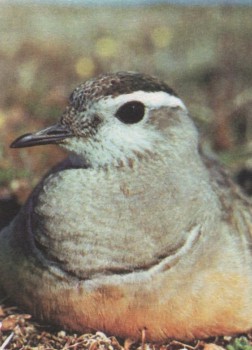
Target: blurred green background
[(204, 53)]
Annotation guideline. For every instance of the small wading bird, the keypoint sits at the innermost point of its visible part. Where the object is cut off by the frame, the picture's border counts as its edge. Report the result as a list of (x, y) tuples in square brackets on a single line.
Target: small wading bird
[(136, 229)]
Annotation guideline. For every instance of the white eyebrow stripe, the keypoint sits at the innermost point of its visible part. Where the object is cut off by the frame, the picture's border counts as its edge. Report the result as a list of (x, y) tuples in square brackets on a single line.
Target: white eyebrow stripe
[(152, 100)]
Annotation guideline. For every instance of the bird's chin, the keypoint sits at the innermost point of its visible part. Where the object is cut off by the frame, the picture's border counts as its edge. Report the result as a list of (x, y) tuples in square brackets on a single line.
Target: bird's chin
[(76, 147)]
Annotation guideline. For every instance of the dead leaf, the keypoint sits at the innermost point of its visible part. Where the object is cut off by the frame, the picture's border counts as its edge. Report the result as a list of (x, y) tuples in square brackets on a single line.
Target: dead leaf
[(10, 322), (212, 346)]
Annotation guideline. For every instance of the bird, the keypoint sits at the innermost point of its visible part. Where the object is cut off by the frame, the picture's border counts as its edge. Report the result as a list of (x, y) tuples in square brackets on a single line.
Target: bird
[(137, 229)]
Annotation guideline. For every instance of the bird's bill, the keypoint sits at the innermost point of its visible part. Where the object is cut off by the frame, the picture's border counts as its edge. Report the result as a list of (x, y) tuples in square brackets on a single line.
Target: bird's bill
[(51, 135)]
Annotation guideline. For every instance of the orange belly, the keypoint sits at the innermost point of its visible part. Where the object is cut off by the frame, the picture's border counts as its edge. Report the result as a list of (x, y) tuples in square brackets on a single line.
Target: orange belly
[(218, 305)]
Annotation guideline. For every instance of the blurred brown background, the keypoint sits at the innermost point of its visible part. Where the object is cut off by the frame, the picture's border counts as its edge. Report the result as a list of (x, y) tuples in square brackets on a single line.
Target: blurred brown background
[(205, 54)]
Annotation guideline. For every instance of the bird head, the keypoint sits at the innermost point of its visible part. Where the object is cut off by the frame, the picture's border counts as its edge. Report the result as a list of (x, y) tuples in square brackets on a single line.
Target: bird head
[(118, 118)]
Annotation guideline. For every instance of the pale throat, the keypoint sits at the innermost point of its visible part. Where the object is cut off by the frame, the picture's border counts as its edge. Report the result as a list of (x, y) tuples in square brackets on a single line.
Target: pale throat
[(115, 151)]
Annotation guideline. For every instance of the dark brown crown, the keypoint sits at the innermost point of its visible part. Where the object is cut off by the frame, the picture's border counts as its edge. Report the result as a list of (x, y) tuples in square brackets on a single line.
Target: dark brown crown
[(115, 84)]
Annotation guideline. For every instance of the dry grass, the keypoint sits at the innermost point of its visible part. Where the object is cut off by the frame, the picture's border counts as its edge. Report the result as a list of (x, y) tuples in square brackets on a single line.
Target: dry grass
[(19, 332)]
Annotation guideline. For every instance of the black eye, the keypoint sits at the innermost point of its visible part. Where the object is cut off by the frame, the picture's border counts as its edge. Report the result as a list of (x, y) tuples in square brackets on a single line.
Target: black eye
[(131, 112)]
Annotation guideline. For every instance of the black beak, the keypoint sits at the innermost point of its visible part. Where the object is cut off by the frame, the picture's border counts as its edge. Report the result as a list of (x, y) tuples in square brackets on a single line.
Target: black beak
[(53, 134)]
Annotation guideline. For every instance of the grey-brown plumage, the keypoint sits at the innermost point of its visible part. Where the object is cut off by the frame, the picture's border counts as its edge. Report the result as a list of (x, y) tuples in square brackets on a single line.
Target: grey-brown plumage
[(136, 229)]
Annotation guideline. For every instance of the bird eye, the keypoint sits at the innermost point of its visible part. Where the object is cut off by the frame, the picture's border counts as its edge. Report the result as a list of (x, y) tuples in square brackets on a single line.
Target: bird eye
[(131, 112)]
